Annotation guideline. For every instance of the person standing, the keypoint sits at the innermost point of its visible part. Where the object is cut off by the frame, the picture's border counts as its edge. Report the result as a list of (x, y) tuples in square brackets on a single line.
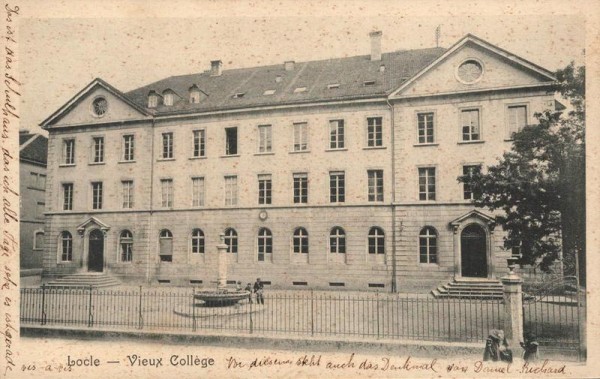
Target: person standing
[(530, 345), (496, 347), (249, 290), (258, 290)]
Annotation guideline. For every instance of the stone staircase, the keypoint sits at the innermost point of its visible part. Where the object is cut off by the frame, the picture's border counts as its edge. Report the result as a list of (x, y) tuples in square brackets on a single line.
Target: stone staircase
[(480, 289), (84, 280)]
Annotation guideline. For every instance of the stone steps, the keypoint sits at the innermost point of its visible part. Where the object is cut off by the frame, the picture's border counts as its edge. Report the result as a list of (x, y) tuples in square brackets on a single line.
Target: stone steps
[(485, 289), (84, 280)]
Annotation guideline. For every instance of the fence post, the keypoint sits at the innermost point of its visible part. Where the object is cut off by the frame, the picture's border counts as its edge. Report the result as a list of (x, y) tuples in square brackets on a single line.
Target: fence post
[(513, 308), (193, 310), (90, 315), (251, 323), (312, 320), (43, 304), (140, 317), (377, 305)]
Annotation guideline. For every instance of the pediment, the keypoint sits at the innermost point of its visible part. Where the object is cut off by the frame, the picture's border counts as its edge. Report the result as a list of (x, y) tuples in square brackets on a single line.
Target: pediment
[(80, 109), (91, 222), (499, 69), (488, 220)]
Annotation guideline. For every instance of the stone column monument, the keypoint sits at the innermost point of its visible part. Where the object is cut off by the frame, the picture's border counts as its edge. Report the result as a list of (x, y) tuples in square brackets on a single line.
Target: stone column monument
[(222, 259)]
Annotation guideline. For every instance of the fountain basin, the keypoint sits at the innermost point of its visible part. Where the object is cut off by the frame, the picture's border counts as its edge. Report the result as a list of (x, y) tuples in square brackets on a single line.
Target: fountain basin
[(221, 298)]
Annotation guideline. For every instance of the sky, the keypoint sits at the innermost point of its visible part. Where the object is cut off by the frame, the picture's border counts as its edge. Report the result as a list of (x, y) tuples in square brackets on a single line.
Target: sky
[(60, 53)]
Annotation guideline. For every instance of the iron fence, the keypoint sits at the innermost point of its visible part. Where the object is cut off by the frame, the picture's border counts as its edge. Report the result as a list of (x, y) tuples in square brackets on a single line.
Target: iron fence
[(307, 313)]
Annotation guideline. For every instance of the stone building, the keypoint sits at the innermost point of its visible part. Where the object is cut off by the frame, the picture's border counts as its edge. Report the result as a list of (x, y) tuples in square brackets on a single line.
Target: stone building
[(33, 149), (323, 174)]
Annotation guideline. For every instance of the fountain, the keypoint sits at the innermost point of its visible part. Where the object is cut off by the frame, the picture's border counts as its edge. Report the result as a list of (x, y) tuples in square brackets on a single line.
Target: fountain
[(222, 296)]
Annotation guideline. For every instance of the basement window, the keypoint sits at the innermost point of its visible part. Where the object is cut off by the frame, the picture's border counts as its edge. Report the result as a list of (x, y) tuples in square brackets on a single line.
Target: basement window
[(266, 282), (337, 284), (376, 285), (300, 89), (194, 281), (239, 95), (164, 281), (333, 86), (269, 92), (300, 283), (367, 83)]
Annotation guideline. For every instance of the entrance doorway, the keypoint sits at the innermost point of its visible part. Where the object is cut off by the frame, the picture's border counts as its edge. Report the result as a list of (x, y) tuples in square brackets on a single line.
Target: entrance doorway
[(96, 251), (473, 250)]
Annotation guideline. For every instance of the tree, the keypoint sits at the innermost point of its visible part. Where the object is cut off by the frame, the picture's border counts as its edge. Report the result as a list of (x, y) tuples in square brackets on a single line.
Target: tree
[(539, 185)]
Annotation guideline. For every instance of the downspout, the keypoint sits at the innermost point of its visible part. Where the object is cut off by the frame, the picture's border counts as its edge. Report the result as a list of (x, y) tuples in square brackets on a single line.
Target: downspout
[(151, 222), (393, 154)]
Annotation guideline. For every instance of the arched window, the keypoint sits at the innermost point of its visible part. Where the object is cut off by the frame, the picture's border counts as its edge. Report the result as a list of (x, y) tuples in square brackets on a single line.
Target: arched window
[(126, 246), (231, 240), (265, 243), (300, 241), (166, 245), (428, 245), (197, 241), (376, 241), (38, 240), (66, 243), (337, 240)]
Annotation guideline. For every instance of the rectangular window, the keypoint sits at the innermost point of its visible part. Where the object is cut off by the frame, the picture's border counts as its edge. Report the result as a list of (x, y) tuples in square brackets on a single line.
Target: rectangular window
[(300, 188), (264, 189), (337, 187), (427, 183), (231, 190), (517, 118), (470, 125), (166, 191), (96, 195), (67, 196), (197, 192), (375, 178), (98, 149), (127, 192), (199, 143), (69, 151), (265, 143), (374, 131), (300, 136), (128, 147), (336, 134), (467, 190), (231, 141), (38, 181), (425, 124), (167, 145)]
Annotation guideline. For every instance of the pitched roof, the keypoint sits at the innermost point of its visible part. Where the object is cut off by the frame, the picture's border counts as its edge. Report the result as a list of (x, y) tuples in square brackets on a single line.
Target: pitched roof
[(33, 148), (350, 73)]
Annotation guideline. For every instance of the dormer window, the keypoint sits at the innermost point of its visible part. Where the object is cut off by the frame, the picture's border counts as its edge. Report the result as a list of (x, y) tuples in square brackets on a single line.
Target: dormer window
[(168, 98), (239, 95), (300, 89), (367, 83), (194, 94), (152, 99), (333, 86), (269, 92)]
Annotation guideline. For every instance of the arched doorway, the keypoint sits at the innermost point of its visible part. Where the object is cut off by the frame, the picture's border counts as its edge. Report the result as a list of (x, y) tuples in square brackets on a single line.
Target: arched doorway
[(96, 251), (473, 250)]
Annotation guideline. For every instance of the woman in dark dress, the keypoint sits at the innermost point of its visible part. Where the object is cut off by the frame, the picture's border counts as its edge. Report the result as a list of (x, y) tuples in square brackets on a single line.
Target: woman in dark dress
[(496, 347)]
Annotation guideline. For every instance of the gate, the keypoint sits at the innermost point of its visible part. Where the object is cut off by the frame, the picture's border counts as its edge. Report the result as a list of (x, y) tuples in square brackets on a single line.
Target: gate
[(554, 312)]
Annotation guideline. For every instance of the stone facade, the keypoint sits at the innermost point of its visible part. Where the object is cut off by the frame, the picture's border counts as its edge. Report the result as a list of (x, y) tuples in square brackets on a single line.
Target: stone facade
[(383, 183)]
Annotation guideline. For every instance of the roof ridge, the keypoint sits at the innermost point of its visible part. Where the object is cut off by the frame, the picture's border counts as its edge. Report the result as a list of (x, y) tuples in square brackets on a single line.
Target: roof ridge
[(279, 65)]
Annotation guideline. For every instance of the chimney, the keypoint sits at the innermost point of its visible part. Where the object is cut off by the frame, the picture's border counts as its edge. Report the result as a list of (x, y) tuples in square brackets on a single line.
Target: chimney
[(289, 65), (215, 68), (375, 45)]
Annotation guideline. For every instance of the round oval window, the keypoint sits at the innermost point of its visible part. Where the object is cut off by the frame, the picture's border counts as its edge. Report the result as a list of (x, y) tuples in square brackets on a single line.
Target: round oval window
[(99, 106), (470, 71)]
